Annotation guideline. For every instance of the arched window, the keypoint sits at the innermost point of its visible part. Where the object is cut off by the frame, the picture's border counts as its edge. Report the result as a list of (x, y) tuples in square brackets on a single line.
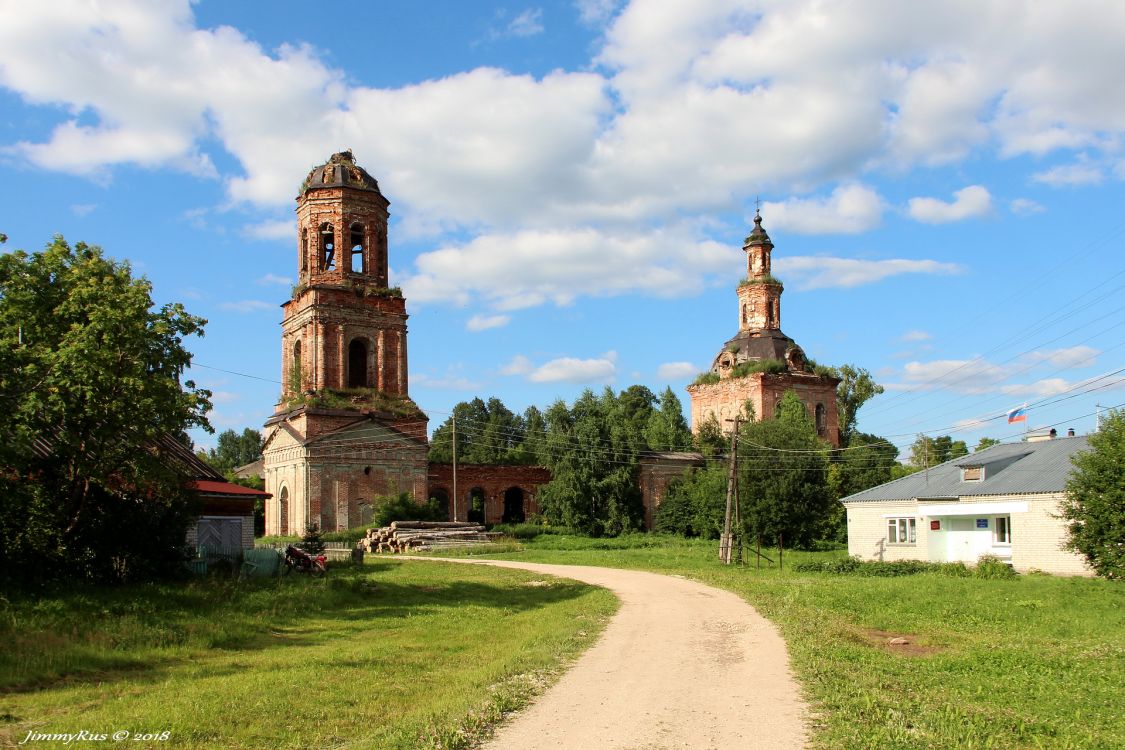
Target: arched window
[(283, 511), (476, 505), (357, 264), (295, 368), (821, 420), (357, 364), (304, 250), (327, 247)]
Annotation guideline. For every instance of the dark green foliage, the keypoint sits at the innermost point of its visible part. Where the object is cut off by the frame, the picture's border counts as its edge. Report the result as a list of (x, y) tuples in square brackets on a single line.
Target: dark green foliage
[(867, 461), (709, 440), (1095, 499), (928, 451), (402, 507), (592, 450), (987, 567), (233, 450), (694, 505), (487, 433), (89, 365), (986, 442), (667, 430), (312, 542), (783, 477), (856, 388)]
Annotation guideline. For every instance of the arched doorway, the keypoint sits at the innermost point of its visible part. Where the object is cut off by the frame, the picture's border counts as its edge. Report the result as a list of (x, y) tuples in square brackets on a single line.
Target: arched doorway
[(357, 364), (441, 497), (283, 512), (476, 505), (513, 506)]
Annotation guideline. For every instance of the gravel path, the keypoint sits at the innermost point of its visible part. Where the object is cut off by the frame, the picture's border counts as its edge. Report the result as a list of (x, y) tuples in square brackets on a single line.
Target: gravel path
[(681, 665)]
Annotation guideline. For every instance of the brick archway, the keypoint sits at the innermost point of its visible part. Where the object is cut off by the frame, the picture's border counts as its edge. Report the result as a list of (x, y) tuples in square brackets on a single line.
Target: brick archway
[(495, 482)]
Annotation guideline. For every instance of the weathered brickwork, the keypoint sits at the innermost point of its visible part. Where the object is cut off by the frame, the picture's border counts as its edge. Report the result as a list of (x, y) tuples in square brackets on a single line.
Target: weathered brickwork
[(727, 398), (343, 331), (655, 472), (509, 492), (760, 343)]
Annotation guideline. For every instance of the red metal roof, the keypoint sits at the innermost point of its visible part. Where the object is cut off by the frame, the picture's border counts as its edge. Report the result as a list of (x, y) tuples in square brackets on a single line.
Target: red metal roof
[(224, 488)]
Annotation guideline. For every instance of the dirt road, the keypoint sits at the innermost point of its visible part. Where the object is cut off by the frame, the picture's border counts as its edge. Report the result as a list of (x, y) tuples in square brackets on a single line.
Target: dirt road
[(681, 665)]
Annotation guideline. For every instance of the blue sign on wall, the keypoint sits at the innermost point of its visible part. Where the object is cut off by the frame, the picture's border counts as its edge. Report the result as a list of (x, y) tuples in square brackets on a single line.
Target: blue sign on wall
[(982, 523)]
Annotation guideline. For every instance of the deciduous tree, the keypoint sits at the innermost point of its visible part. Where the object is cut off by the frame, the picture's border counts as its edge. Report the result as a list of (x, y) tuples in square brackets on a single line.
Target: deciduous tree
[(1095, 499), (90, 381)]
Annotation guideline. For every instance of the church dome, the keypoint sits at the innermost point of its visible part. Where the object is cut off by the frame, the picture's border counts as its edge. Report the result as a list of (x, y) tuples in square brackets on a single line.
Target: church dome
[(340, 171)]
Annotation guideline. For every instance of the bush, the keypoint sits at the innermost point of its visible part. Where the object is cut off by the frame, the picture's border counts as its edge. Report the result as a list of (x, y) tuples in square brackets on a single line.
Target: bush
[(402, 507), (312, 542), (989, 566)]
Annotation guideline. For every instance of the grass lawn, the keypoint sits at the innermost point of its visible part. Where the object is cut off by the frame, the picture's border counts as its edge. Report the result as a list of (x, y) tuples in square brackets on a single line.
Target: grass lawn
[(1032, 662), (393, 654)]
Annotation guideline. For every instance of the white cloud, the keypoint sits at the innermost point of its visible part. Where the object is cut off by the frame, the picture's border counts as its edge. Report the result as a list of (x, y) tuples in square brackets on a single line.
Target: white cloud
[(273, 278), (964, 375), (224, 397), (484, 322), (596, 12), (970, 202), (529, 268), (1025, 207), (1040, 388), (520, 365), (528, 23), (811, 272), (849, 210), (571, 370), (1071, 175), (284, 229), (1073, 356), (83, 209), (915, 336), (672, 371), (248, 306)]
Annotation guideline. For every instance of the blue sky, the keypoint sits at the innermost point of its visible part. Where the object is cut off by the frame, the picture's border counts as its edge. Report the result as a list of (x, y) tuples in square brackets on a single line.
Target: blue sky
[(570, 184)]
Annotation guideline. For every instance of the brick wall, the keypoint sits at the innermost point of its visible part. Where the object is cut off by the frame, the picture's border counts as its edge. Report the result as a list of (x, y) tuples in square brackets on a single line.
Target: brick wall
[(495, 481), (725, 399)]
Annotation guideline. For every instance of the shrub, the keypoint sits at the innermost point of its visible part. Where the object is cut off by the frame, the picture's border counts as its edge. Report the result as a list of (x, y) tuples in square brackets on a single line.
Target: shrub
[(312, 542), (989, 566), (402, 507)]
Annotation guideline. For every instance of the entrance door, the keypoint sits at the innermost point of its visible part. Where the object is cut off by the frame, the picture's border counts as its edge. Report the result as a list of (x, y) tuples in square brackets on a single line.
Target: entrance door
[(959, 545)]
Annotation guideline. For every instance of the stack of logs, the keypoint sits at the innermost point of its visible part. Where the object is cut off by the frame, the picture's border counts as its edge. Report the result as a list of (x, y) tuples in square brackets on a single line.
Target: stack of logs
[(419, 536)]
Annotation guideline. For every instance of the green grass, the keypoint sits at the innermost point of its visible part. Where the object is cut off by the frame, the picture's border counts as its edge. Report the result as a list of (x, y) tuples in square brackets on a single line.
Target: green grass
[(1031, 662), (393, 654)]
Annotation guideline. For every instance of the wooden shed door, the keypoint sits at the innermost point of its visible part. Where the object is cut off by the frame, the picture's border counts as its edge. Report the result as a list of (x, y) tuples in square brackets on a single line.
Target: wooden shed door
[(220, 533)]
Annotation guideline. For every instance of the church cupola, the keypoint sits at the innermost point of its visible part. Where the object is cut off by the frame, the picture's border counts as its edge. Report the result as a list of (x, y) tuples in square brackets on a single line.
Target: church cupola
[(342, 225), (759, 294)]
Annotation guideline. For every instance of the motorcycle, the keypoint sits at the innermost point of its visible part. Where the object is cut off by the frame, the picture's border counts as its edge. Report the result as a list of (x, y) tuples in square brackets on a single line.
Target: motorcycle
[(302, 562)]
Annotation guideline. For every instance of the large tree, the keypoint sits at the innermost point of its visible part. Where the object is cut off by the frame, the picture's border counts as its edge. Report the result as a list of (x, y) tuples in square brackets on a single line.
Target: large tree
[(928, 451), (667, 429), (856, 388), (1095, 499), (487, 433), (90, 378), (784, 476), (233, 449)]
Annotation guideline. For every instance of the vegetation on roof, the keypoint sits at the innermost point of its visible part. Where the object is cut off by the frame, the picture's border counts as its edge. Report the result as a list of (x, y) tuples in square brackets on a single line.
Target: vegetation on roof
[(365, 399), (767, 279)]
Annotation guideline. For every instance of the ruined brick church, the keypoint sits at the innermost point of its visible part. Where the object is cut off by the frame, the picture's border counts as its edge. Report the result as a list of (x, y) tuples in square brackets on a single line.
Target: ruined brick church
[(760, 363), (345, 429)]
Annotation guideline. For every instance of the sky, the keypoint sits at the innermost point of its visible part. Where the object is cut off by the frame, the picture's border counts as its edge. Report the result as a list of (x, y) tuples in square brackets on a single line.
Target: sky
[(571, 183)]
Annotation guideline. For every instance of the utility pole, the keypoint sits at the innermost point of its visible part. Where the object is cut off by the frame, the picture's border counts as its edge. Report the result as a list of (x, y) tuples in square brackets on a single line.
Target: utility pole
[(454, 466), (732, 479)]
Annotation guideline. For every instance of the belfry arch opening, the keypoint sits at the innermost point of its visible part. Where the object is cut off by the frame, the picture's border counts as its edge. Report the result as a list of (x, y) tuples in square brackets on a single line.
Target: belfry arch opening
[(357, 245), (295, 368), (327, 247), (357, 364)]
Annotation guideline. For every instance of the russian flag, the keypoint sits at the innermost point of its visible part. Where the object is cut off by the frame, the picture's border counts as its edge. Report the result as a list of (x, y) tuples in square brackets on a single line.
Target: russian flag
[(1018, 414)]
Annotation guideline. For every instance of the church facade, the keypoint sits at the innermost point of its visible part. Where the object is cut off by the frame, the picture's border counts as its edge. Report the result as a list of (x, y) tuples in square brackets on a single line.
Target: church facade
[(345, 429), (760, 363)]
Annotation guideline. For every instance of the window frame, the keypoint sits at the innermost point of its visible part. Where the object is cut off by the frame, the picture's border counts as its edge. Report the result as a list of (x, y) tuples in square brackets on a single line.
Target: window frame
[(904, 528), (1006, 521)]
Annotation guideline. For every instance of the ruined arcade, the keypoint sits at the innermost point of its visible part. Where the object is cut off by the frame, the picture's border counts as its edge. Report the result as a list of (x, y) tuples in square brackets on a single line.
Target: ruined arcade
[(345, 429), (760, 363)]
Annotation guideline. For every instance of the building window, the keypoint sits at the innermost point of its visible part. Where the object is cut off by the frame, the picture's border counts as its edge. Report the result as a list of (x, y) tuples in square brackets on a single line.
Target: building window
[(327, 247), (1002, 530), (902, 530), (972, 474)]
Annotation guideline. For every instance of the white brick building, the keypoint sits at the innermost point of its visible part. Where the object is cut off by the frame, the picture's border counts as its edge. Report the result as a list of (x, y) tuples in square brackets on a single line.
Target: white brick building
[(1001, 501)]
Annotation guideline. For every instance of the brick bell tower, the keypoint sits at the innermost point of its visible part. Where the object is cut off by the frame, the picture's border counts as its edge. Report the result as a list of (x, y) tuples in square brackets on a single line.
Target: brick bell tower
[(345, 430), (761, 363)]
